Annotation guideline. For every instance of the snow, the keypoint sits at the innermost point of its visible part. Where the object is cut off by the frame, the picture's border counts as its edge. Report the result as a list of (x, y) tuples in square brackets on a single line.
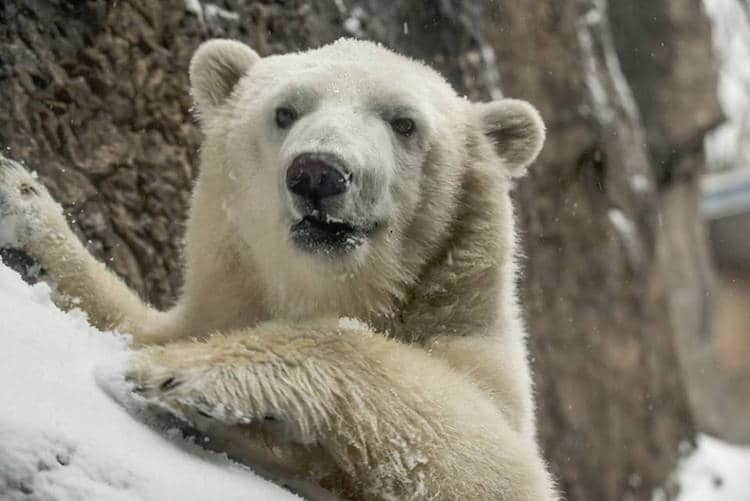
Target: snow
[(640, 183), (588, 23), (728, 146), (213, 10), (63, 438), (210, 11), (195, 7), (716, 471), (353, 23), (599, 97), (628, 234), (490, 71)]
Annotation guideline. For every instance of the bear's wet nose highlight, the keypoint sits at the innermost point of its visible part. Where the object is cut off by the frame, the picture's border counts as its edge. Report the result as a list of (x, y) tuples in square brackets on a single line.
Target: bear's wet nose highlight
[(316, 176)]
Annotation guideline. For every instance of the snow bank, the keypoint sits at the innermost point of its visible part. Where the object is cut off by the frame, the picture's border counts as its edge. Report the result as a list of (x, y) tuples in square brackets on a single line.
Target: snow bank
[(62, 438), (716, 471), (728, 146)]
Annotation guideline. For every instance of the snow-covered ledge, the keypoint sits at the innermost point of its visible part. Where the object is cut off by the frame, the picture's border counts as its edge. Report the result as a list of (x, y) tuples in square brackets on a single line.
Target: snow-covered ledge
[(63, 437)]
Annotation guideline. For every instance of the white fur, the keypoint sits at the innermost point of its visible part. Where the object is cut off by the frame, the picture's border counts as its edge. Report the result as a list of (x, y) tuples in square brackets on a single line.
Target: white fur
[(426, 394)]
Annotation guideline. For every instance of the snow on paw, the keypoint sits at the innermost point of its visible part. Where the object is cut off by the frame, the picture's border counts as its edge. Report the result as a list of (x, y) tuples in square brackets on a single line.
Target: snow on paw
[(150, 379), (192, 394), (27, 211)]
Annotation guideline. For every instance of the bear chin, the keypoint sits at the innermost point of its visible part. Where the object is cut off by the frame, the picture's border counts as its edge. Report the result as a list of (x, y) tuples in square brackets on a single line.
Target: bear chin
[(328, 237)]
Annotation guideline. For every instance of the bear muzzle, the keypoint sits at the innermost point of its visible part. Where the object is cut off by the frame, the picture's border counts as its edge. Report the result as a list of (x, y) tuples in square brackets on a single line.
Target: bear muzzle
[(317, 176), (321, 234), (318, 182)]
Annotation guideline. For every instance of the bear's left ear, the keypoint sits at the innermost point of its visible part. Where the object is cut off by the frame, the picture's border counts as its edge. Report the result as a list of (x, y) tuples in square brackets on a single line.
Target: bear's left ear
[(516, 130), (216, 68)]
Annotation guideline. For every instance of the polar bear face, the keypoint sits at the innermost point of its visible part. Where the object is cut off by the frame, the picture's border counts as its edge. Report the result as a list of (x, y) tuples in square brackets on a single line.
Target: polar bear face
[(344, 151), (332, 156)]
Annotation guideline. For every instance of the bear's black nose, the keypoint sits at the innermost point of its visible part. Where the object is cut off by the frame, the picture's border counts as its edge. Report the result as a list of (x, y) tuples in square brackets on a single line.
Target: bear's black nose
[(317, 175)]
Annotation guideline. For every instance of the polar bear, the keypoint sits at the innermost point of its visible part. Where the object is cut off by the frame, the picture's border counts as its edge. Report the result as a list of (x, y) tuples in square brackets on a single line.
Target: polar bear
[(349, 314)]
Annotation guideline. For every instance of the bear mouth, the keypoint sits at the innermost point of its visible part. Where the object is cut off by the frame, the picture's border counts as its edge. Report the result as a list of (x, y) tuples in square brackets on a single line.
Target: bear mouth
[(326, 235)]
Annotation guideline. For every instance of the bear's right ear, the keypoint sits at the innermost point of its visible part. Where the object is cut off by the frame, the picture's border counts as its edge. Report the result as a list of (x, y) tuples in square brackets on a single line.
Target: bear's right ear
[(216, 68), (516, 130)]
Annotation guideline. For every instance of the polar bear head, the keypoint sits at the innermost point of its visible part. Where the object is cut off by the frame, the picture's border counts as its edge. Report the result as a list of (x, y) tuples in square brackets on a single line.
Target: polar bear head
[(348, 155)]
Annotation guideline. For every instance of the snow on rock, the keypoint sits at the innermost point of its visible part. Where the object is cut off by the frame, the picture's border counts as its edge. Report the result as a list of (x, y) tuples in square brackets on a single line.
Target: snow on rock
[(628, 234), (716, 471), (209, 12), (63, 438), (728, 146)]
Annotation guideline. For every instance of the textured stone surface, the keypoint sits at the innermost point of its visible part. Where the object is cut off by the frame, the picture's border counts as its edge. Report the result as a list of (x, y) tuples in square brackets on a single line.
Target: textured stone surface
[(97, 104), (674, 78), (595, 293)]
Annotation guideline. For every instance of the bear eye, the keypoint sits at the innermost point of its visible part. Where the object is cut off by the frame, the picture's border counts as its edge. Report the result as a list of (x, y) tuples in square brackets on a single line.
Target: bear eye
[(285, 117), (403, 126)]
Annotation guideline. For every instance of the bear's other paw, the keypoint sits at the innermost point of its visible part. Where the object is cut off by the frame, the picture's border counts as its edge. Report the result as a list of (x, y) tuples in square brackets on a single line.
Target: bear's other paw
[(194, 394), (27, 211)]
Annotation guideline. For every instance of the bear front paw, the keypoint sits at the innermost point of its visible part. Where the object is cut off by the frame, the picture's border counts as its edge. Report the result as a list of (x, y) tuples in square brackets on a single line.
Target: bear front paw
[(192, 394), (27, 211)]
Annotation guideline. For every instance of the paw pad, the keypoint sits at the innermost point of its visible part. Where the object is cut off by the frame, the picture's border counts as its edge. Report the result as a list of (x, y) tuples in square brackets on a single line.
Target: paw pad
[(28, 190), (169, 384), (27, 211)]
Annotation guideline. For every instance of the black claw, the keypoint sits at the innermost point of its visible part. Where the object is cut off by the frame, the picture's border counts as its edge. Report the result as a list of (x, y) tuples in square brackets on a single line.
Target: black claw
[(27, 189), (63, 459), (140, 388), (269, 418), (204, 414), (168, 384)]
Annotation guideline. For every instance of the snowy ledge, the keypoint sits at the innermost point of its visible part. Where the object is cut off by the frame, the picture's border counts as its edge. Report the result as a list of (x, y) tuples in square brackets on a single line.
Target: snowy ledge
[(63, 438), (716, 471)]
